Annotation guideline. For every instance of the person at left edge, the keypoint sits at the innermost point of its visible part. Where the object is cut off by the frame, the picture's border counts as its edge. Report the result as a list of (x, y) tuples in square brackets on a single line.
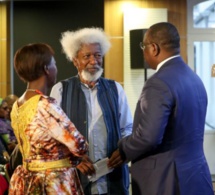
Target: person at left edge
[(50, 144)]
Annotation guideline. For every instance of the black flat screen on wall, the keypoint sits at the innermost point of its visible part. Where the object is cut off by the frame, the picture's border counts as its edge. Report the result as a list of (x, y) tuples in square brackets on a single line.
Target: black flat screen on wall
[(136, 54), (44, 21)]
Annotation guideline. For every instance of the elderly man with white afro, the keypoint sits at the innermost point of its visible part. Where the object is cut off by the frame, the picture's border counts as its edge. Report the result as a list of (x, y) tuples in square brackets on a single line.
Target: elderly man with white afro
[(99, 109), (72, 41)]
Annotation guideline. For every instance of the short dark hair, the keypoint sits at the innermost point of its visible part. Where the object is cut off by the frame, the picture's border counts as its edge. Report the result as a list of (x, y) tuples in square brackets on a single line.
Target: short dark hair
[(165, 35), (30, 60)]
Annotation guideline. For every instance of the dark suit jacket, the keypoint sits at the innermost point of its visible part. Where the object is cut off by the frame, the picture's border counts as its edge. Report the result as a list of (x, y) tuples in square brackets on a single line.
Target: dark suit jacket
[(166, 146)]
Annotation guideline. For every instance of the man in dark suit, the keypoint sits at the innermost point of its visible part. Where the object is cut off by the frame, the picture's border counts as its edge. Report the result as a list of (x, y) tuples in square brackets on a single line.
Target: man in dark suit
[(166, 145)]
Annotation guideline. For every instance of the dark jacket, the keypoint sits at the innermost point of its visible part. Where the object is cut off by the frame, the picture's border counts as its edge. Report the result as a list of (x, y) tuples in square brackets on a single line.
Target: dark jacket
[(74, 105), (166, 146)]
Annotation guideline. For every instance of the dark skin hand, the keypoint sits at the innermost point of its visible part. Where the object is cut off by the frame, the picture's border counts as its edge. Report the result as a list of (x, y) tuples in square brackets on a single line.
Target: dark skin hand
[(115, 160), (86, 166)]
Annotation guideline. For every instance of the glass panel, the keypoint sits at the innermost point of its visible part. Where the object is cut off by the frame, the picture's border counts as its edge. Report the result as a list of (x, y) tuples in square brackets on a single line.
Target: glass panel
[(204, 59), (204, 15)]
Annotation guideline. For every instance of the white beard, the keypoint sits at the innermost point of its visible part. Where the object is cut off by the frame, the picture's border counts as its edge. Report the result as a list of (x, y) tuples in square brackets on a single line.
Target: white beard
[(91, 77)]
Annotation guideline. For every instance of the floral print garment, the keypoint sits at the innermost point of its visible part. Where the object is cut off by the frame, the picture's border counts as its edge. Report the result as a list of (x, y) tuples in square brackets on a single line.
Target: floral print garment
[(45, 134)]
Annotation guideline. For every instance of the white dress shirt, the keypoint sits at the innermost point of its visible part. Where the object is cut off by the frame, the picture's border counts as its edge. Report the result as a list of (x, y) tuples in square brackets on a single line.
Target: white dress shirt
[(164, 61)]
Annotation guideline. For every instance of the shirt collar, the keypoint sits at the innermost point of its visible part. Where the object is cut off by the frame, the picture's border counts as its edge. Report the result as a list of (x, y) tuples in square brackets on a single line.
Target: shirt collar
[(164, 61), (96, 84)]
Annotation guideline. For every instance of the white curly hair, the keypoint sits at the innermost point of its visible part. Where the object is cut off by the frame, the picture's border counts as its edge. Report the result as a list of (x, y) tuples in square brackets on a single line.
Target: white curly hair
[(72, 41)]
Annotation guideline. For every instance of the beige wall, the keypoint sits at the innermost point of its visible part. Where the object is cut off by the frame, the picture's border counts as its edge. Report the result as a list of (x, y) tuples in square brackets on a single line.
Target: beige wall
[(4, 54), (113, 20), (114, 27)]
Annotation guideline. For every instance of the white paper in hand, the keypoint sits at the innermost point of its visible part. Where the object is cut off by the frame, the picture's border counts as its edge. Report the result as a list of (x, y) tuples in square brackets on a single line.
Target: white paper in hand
[(101, 169)]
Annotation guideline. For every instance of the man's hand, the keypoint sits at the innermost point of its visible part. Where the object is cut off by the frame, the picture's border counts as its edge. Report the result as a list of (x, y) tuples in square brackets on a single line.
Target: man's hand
[(86, 166), (115, 160)]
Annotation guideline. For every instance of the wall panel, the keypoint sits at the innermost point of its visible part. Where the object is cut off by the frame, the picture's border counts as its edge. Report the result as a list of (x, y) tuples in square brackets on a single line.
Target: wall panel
[(113, 24), (4, 60), (113, 17), (137, 18), (44, 21)]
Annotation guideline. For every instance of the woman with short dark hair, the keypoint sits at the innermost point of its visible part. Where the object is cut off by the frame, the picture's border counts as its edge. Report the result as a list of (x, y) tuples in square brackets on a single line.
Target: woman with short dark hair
[(50, 144)]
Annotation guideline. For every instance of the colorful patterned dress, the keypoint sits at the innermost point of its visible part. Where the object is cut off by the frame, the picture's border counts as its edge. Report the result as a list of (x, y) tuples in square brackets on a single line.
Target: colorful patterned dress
[(51, 147)]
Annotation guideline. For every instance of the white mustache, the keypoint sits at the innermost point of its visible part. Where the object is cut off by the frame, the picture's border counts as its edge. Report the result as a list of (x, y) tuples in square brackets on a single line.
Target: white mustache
[(93, 66)]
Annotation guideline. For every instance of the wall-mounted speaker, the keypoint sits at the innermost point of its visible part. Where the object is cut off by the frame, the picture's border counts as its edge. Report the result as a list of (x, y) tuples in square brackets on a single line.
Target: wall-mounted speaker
[(136, 54)]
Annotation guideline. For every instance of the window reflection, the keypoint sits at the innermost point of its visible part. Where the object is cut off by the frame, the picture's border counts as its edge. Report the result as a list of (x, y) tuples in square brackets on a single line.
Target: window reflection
[(204, 14), (204, 59)]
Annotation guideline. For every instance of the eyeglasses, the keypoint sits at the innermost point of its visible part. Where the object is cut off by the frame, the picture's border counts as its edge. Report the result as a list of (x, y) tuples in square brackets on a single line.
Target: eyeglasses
[(142, 46)]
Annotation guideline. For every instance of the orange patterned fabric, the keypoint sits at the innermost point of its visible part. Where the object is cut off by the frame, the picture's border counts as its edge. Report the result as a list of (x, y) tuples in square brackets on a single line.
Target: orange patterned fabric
[(47, 138)]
